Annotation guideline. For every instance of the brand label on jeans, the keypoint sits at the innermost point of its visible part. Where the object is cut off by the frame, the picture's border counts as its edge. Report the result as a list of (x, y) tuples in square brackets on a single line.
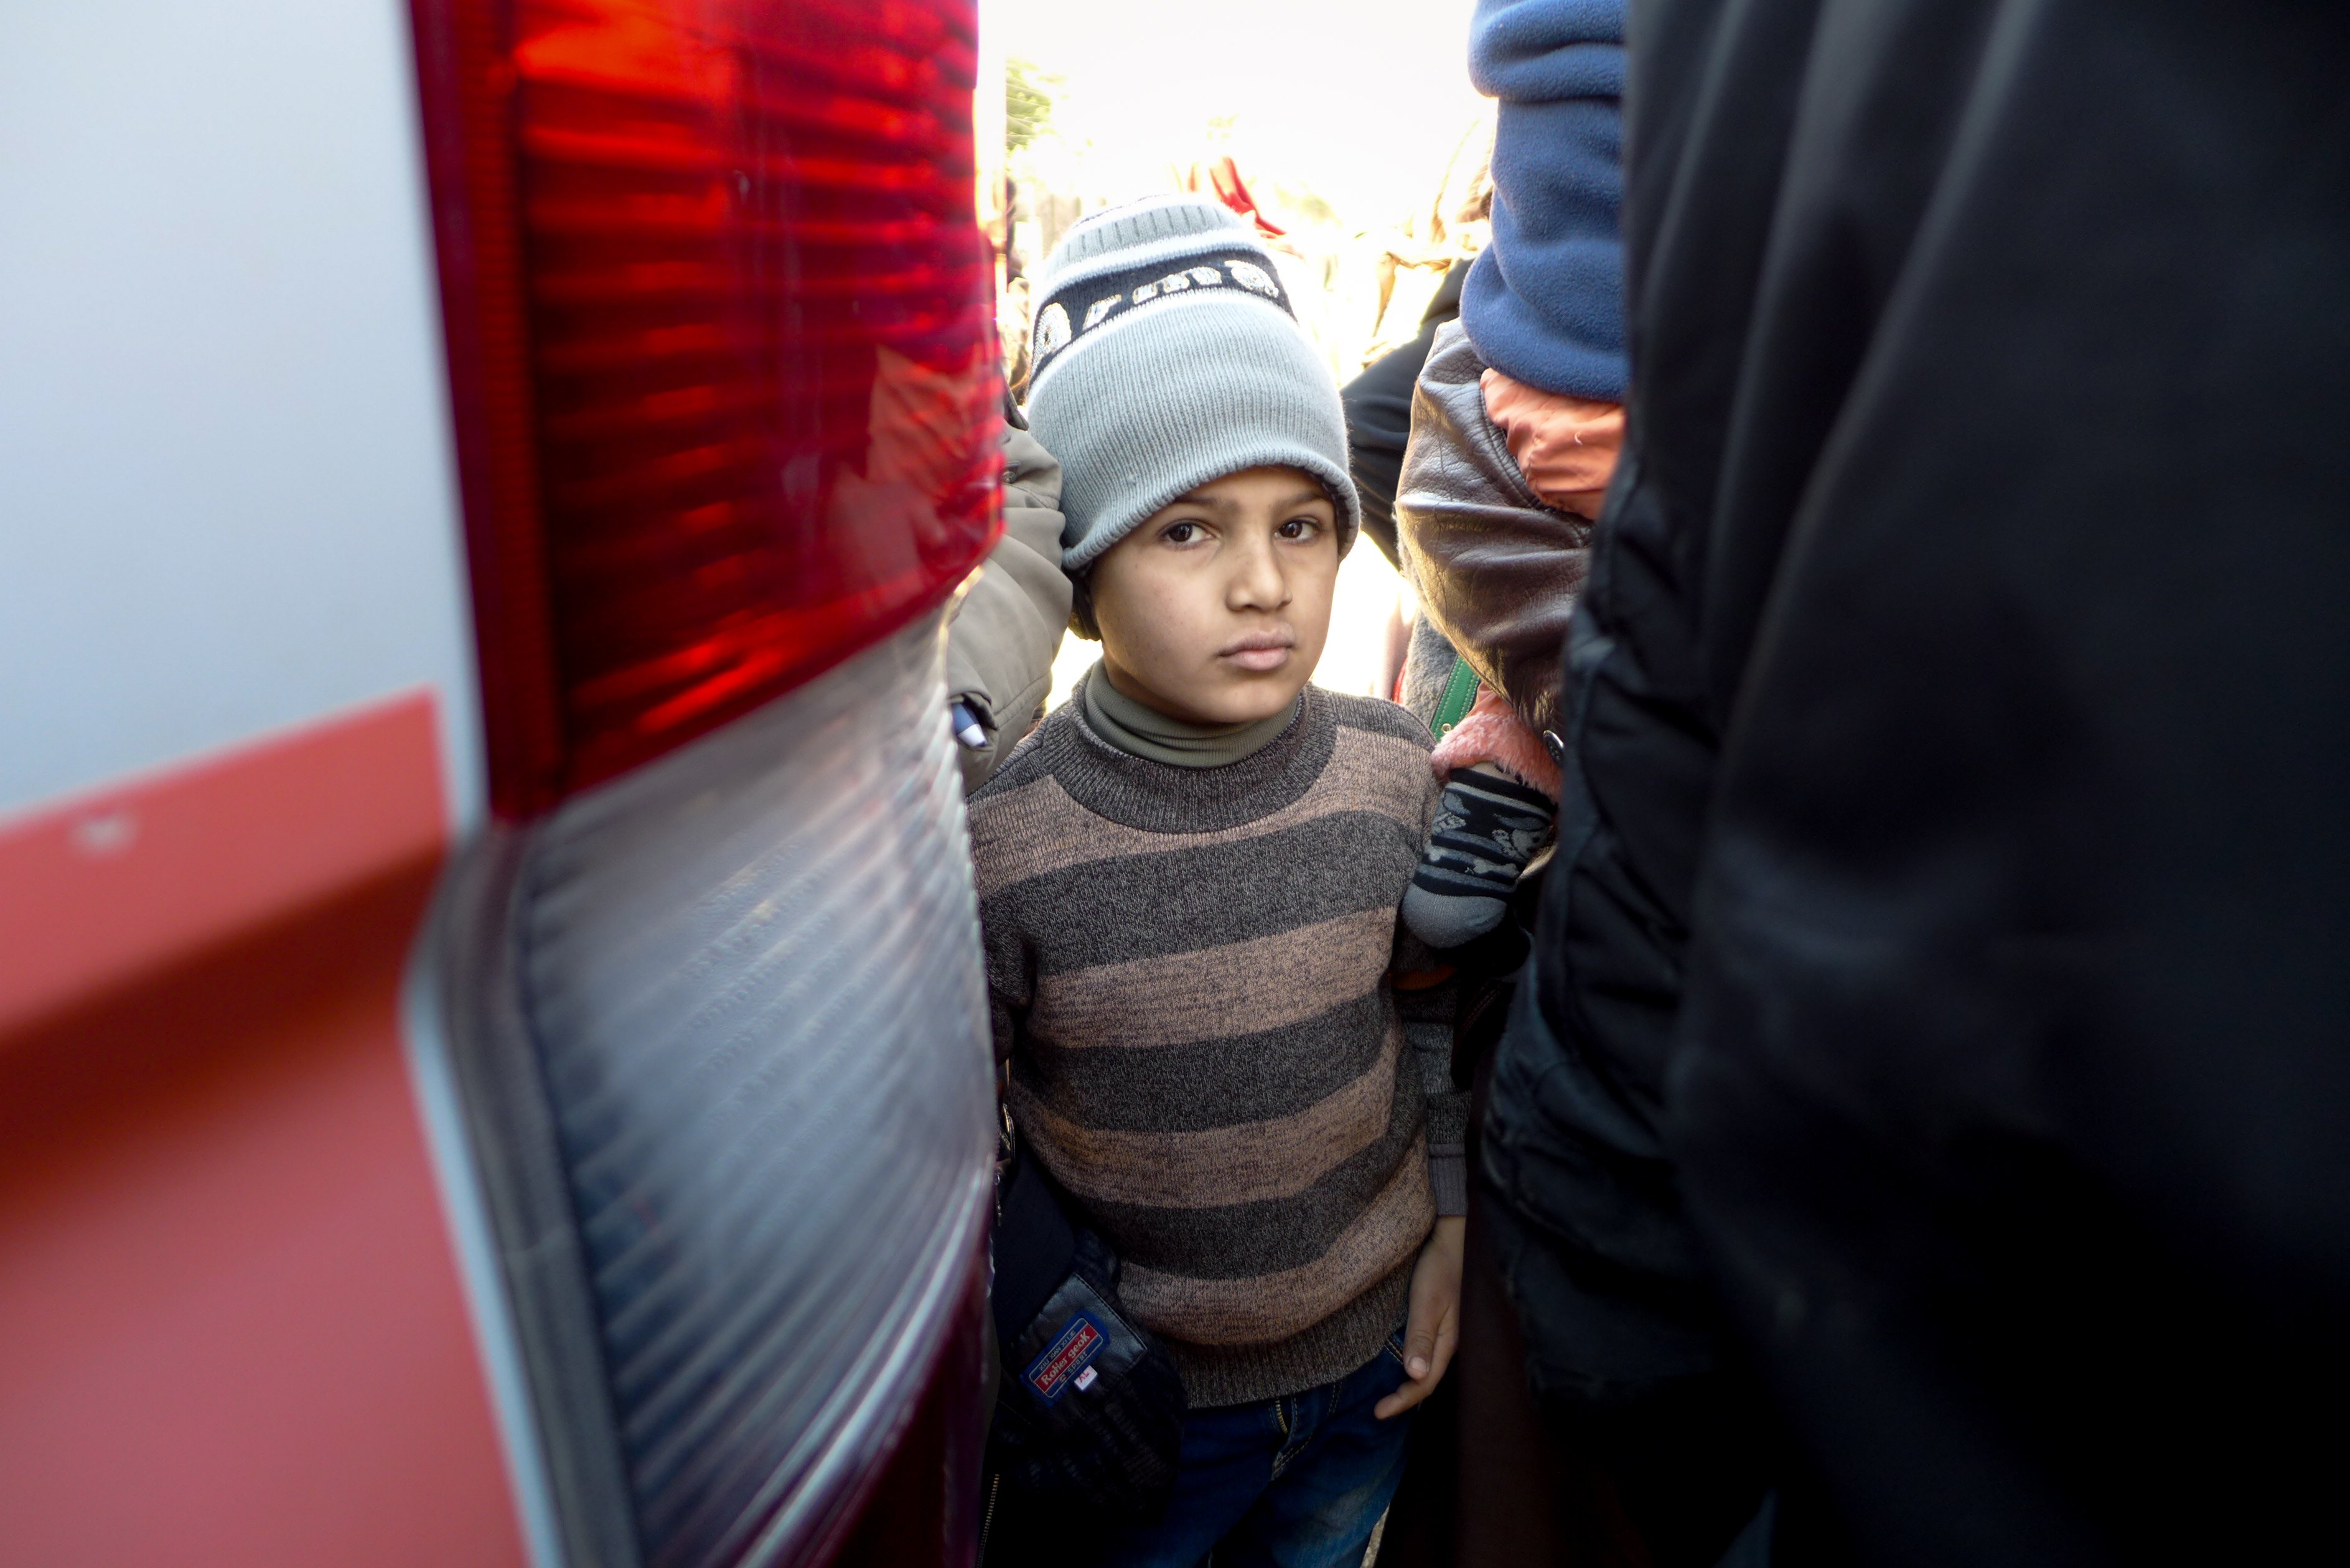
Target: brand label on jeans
[(1072, 1352)]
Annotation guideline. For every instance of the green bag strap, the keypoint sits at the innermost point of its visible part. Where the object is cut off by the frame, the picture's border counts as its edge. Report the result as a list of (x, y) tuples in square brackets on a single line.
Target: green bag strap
[(1460, 696)]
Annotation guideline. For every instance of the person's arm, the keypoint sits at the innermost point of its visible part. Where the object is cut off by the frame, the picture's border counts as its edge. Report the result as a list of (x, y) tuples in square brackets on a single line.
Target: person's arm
[(1448, 1104), (1433, 1327), (1008, 625), (1416, 968), (1432, 1331)]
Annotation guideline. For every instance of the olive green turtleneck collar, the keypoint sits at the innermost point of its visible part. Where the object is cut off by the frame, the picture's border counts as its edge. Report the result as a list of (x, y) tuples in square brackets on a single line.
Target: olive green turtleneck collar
[(1147, 733)]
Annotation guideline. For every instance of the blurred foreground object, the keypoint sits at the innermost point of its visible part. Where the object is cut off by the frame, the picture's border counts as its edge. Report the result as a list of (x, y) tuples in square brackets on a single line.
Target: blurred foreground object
[(1950, 903), (497, 1076)]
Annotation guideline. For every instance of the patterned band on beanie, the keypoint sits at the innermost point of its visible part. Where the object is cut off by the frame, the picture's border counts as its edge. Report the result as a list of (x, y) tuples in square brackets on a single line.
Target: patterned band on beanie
[(1077, 306)]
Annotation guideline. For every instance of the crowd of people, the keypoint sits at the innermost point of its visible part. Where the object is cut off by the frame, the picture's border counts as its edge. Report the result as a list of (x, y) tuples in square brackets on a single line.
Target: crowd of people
[(1816, 1029)]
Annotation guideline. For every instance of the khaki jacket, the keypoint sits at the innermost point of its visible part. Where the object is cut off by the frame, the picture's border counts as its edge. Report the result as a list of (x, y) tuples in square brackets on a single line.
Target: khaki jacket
[(1007, 627)]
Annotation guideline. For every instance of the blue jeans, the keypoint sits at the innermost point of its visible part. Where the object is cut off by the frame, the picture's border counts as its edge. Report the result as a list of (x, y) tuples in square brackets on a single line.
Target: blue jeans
[(1294, 1483)]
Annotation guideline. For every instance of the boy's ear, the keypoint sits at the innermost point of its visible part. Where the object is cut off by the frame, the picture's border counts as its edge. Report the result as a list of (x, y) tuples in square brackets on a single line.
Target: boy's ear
[(1081, 607)]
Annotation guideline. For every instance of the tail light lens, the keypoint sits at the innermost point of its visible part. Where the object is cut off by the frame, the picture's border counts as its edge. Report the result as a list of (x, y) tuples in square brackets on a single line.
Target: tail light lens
[(752, 977), (719, 319)]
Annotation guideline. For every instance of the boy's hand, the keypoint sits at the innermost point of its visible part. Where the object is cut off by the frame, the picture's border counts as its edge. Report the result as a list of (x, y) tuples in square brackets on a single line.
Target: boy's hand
[(1433, 1328)]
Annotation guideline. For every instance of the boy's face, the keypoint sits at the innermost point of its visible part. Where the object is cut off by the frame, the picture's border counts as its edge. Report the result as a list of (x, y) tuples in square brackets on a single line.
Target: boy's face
[(1215, 609)]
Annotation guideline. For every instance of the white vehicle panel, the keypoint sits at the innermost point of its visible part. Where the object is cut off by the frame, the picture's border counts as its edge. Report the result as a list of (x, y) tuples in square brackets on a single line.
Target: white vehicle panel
[(230, 499)]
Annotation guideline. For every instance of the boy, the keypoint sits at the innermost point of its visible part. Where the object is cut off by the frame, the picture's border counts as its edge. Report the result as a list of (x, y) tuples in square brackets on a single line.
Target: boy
[(1189, 878)]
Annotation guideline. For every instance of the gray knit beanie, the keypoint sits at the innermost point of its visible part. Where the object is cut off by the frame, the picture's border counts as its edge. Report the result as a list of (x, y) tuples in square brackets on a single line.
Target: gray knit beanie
[(1166, 355)]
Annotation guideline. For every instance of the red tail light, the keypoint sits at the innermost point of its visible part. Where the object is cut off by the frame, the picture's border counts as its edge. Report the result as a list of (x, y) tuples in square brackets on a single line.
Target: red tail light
[(720, 336)]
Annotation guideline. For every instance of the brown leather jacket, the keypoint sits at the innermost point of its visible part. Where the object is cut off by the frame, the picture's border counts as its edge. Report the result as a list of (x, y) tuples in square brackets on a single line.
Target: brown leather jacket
[(1496, 570)]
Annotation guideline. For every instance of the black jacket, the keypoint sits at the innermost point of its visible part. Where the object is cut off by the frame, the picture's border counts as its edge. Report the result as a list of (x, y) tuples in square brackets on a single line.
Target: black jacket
[(1379, 416), (1947, 955)]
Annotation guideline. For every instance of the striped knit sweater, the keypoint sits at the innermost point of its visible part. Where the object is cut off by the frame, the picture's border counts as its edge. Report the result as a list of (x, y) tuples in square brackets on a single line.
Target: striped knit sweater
[(1187, 969)]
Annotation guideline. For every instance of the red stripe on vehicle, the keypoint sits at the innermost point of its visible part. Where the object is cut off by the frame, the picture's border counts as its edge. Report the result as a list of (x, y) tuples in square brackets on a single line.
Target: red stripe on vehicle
[(96, 890), (231, 1326)]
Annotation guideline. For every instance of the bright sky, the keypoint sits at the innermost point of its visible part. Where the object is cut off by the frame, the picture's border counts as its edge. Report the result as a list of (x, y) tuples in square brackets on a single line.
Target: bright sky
[(1359, 101)]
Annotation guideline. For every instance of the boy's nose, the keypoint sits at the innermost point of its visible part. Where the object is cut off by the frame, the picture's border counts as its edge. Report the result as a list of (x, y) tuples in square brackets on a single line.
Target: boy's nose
[(1258, 582)]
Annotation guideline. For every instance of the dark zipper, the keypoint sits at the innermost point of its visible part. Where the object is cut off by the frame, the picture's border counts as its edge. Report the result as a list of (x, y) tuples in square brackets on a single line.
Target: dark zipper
[(987, 1520)]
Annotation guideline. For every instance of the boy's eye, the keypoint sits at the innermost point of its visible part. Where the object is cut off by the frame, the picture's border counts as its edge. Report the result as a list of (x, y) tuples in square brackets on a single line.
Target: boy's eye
[(1181, 532), (1299, 529)]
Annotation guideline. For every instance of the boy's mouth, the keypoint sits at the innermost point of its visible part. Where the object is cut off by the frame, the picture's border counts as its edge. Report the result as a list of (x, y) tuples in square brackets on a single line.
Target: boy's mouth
[(1260, 651)]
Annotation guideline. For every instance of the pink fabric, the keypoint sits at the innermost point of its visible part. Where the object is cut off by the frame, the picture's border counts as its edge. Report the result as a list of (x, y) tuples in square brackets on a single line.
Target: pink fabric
[(1567, 447), (1492, 735)]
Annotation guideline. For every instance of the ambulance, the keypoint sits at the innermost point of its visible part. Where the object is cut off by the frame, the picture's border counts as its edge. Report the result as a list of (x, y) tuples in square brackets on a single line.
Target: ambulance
[(492, 1061)]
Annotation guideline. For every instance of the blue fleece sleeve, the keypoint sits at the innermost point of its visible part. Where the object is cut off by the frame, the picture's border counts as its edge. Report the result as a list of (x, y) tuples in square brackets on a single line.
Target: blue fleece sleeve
[(1544, 304)]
